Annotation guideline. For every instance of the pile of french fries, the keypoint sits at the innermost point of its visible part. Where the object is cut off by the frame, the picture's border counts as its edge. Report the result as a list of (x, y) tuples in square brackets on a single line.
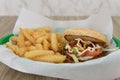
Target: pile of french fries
[(38, 44)]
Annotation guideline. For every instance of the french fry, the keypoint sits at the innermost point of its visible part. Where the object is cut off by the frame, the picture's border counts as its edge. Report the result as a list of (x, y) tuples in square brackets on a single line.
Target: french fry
[(29, 31), (28, 43), (35, 53), (31, 48), (61, 41), (48, 37), (21, 51), (54, 42), (46, 44), (57, 53), (60, 38), (40, 40), (36, 35), (14, 48), (51, 58), (39, 46), (14, 39), (28, 36), (20, 39)]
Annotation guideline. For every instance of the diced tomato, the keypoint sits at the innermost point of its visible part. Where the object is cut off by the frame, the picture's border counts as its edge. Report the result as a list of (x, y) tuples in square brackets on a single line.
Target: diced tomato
[(94, 53)]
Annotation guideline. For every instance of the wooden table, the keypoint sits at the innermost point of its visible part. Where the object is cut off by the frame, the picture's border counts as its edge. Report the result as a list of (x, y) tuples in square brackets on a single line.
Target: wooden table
[(6, 27)]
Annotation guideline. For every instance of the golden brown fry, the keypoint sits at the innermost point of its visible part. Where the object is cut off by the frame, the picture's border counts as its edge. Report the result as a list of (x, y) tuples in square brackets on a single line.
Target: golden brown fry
[(20, 39), (38, 34), (61, 41), (14, 48), (60, 38), (21, 51), (48, 36), (31, 48), (29, 31), (51, 58), (39, 46), (28, 43), (46, 44), (14, 39), (54, 42), (40, 40), (28, 36), (35, 53), (57, 53)]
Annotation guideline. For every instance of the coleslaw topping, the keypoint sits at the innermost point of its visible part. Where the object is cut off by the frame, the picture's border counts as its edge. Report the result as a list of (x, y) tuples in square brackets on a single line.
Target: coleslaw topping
[(79, 50)]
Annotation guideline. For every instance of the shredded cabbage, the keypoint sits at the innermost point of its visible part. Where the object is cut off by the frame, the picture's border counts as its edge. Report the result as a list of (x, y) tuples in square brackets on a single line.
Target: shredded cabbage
[(86, 58), (74, 58), (113, 49)]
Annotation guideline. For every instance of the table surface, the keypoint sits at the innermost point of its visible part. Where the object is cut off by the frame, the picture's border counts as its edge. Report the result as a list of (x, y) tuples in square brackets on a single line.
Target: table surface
[(6, 26)]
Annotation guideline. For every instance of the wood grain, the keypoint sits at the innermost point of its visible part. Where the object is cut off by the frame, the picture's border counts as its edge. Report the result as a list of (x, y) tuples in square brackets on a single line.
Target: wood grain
[(6, 26)]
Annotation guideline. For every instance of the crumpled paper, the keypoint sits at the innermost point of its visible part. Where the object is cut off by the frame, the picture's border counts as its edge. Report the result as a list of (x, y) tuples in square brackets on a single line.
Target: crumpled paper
[(105, 68)]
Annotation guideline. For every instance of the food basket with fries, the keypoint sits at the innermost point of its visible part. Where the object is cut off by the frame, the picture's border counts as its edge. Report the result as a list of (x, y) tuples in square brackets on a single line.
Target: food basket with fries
[(36, 43)]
